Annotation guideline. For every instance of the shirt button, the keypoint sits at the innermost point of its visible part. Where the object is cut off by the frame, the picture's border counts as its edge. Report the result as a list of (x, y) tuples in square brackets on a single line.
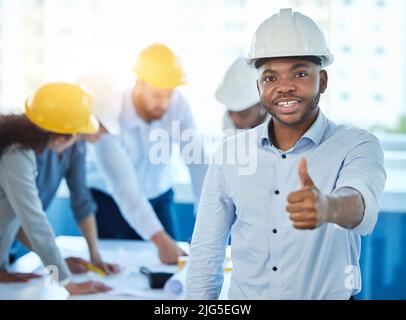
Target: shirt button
[(284, 156), (277, 192), (275, 231), (275, 269)]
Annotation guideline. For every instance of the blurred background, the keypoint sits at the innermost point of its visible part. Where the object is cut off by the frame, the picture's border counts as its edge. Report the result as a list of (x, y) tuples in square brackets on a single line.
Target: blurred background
[(56, 40)]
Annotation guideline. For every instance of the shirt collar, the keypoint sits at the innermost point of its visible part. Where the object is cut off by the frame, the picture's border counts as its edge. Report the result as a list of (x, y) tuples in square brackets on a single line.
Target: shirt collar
[(314, 133)]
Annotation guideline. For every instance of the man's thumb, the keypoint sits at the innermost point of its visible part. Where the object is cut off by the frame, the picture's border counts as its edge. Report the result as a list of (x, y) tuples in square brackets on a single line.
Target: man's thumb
[(305, 179)]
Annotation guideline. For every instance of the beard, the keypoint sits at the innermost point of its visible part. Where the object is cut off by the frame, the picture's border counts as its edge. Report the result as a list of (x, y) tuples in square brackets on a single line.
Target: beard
[(155, 114), (309, 109), (151, 113)]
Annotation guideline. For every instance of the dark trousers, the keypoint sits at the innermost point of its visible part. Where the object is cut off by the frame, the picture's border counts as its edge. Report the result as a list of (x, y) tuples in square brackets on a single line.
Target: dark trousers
[(112, 225)]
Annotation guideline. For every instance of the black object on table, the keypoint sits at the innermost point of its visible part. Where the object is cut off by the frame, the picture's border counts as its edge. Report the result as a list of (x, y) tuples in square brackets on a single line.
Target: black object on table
[(156, 279)]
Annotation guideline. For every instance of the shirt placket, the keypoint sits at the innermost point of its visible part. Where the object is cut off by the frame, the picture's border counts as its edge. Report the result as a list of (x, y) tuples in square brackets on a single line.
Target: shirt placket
[(278, 203)]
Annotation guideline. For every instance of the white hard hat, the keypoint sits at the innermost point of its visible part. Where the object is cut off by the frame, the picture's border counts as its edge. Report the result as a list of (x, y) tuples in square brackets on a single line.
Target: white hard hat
[(238, 90), (289, 34), (107, 99)]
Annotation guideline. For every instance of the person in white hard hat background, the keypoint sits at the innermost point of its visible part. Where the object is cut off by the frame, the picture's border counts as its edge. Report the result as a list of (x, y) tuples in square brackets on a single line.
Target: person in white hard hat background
[(238, 93), (296, 221), (107, 100), (70, 164), (134, 194)]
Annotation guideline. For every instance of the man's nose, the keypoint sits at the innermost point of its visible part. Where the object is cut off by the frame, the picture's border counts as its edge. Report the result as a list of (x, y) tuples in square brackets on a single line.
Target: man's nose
[(286, 86)]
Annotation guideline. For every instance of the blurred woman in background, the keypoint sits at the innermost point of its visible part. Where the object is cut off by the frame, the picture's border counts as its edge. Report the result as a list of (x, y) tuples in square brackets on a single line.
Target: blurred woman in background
[(53, 117)]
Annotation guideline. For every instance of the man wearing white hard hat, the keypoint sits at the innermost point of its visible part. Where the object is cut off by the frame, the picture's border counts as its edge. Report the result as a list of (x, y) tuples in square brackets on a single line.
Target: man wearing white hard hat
[(295, 221), (70, 164), (239, 94)]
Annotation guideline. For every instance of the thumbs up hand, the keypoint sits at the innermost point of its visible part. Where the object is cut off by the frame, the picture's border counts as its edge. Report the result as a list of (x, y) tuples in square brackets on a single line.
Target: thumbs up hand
[(307, 207), (305, 179)]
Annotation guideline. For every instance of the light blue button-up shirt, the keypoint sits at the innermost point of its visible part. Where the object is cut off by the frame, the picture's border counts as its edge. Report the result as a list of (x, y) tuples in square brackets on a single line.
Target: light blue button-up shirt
[(271, 259), (134, 165)]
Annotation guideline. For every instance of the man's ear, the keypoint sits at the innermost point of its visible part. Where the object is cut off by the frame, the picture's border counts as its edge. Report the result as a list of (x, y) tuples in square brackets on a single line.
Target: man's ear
[(323, 81), (139, 85)]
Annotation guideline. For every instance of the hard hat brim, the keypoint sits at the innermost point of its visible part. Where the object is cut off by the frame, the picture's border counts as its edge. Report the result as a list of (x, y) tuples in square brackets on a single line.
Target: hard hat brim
[(326, 60)]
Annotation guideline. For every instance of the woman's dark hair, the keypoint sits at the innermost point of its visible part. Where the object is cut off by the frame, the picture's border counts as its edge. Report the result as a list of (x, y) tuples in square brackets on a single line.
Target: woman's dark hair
[(17, 130)]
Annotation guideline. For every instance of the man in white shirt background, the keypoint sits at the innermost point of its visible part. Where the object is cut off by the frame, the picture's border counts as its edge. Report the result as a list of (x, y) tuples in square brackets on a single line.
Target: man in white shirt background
[(135, 164)]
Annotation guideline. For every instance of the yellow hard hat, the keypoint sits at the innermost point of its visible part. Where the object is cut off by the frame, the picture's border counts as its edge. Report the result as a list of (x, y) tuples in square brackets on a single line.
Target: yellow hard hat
[(159, 67), (63, 108)]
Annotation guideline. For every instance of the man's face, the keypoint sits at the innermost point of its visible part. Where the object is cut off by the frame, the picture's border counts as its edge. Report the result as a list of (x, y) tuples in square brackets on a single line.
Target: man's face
[(290, 89), (248, 118), (93, 138), (154, 102)]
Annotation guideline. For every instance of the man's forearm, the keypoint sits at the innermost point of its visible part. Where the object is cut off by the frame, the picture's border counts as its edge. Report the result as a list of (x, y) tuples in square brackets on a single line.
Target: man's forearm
[(346, 208)]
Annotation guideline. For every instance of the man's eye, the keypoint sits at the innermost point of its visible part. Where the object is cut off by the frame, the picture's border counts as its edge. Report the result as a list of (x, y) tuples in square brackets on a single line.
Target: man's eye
[(301, 74), (269, 79)]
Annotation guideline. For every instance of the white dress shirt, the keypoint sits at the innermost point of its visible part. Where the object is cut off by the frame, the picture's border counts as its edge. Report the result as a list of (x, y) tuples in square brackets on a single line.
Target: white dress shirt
[(130, 174)]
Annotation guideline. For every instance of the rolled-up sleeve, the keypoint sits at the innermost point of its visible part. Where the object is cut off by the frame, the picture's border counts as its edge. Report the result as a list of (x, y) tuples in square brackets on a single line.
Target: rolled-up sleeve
[(82, 202), (363, 170), (215, 217), (121, 178)]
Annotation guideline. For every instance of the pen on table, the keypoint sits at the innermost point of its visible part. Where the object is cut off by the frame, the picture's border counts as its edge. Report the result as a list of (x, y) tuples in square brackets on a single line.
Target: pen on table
[(95, 269)]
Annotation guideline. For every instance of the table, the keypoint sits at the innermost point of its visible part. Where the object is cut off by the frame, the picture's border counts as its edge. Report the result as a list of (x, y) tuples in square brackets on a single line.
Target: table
[(129, 284)]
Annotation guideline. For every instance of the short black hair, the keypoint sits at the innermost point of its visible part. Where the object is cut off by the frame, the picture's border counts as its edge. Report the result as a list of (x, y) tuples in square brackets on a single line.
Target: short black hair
[(314, 59)]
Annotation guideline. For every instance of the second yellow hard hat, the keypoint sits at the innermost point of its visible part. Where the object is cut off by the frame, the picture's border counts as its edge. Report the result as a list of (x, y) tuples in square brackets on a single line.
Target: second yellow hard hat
[(159, 67)]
